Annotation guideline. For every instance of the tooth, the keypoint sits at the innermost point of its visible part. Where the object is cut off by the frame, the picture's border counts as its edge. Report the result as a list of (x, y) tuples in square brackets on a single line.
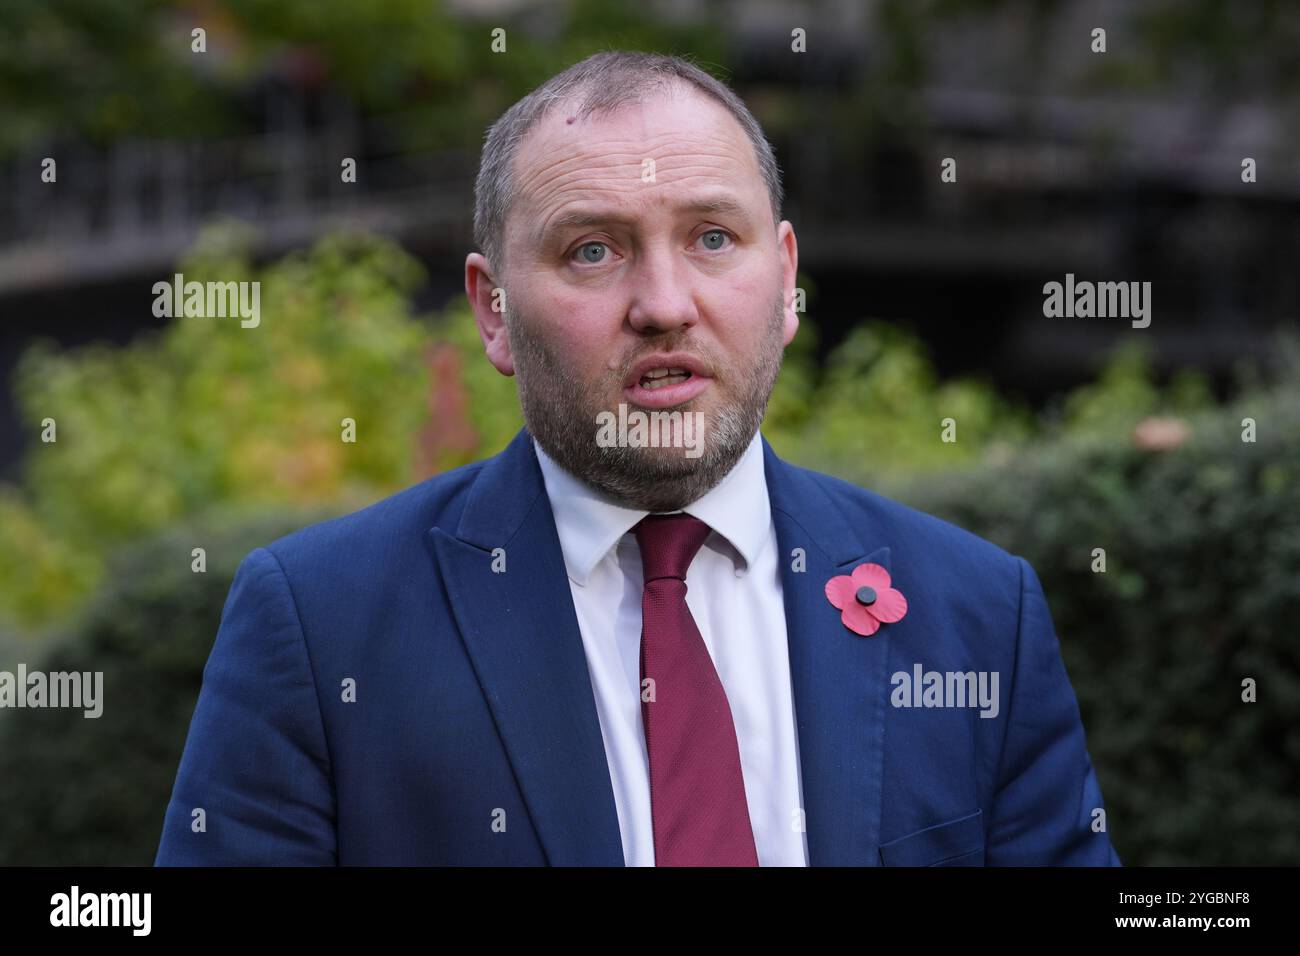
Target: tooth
[(669, 377)]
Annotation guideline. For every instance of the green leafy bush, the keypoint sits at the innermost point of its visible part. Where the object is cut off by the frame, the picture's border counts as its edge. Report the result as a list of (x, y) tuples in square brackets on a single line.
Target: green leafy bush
[(877, 409), (208, 412), (84, 791), (1201, 590)]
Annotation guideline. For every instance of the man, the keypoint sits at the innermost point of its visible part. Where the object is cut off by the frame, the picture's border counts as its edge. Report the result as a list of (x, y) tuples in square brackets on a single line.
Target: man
[(650, 643)]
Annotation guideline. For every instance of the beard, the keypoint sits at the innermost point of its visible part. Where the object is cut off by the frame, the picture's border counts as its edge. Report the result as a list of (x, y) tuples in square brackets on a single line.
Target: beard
[(562, 411)]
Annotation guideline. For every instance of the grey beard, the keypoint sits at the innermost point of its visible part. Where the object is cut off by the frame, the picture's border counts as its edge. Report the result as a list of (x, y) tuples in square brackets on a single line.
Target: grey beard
[(563, 420)]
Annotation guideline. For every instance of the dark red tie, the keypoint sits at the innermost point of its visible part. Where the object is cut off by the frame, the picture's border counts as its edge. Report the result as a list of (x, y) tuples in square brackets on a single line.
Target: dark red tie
[(697, 792)]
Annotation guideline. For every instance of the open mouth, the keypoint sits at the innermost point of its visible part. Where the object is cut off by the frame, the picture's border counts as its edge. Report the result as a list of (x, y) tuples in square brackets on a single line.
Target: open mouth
[(662, 377)]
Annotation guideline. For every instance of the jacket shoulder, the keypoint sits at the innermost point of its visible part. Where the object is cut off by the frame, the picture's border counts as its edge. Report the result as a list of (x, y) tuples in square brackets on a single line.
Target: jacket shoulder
[(388, 527), (913, 530)]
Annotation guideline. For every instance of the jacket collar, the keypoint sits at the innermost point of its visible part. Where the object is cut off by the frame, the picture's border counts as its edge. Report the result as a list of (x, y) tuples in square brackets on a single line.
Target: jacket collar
[(590, 524)]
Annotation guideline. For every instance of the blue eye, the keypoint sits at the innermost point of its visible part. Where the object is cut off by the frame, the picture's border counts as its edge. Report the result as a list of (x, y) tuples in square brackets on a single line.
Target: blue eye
[(722, 235), (586, 258), (595, 252)]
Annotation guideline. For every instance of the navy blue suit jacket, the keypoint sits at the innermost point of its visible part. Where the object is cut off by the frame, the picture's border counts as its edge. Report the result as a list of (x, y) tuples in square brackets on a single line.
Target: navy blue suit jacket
[(473, 736)]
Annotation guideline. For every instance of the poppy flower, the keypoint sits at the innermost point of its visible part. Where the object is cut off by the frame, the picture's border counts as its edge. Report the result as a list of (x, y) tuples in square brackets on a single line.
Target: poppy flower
[(865, 599)]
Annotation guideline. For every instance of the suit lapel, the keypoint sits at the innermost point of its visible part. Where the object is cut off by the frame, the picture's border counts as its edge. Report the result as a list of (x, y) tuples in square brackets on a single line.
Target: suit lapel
[(521, 632), (839, 678)]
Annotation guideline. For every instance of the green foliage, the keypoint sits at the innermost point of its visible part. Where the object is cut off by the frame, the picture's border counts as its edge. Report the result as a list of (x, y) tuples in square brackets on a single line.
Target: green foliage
[(1201, 590), (1124, 394), (877, 409), (104, 71), (209, 412), (84, 791)]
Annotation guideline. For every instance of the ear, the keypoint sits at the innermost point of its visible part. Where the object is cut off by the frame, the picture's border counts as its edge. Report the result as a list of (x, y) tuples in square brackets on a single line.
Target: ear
[(787, 249), (489, 312)]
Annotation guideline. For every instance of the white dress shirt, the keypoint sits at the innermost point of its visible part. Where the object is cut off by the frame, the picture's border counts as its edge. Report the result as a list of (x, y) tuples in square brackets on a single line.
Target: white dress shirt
[(734, 593)]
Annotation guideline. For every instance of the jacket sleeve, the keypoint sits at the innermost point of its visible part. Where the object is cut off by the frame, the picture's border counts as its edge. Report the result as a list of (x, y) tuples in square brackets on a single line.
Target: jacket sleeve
[(254, 786), (1047, 791)]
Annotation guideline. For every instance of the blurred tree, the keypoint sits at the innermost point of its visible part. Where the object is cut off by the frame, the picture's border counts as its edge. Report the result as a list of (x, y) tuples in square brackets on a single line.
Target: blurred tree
[(100, 71), (209, 412), (1125, 394), (877, 409)]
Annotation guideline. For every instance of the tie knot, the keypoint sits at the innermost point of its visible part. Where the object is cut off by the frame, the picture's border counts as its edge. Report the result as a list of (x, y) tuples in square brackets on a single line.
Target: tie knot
[(669, 544)]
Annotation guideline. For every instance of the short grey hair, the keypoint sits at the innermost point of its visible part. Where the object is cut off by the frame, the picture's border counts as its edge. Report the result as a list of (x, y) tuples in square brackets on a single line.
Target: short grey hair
[(601, 84)]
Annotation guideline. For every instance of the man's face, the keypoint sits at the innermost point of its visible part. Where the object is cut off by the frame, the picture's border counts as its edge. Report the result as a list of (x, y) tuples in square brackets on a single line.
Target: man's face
[(641, 241)]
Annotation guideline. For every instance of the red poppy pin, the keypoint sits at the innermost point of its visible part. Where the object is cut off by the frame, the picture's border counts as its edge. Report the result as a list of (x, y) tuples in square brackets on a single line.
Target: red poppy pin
[(865, 599)]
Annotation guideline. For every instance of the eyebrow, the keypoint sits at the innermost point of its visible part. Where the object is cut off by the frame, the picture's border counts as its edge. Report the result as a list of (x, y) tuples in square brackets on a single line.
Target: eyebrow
[(597, 217)]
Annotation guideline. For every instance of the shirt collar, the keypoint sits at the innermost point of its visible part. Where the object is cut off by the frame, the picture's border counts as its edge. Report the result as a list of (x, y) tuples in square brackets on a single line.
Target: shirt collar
[(590, 524)]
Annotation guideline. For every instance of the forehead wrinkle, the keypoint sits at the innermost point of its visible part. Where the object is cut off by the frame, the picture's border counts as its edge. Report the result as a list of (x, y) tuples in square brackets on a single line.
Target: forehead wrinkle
[(555, 177), (609, 164), (579, 184), (652, 195), (560, 151), (555, 136), (613, 182)]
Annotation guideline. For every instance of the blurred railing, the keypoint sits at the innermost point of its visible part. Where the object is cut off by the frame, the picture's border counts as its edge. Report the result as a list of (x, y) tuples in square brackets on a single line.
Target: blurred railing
[(134, 206)]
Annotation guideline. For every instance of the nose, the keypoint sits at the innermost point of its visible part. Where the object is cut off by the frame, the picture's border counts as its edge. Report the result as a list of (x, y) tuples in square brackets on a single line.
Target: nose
[(663, 298)]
